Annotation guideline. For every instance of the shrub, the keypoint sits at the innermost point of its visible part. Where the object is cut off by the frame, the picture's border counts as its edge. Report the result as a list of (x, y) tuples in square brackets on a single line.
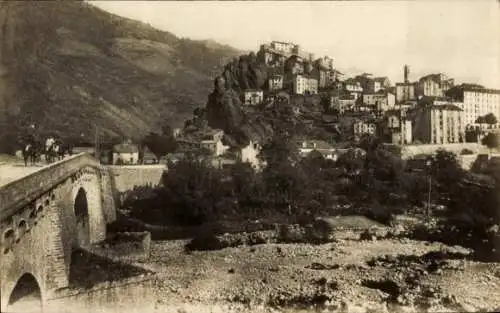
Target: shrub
[(256, 238), (466, 152), (319, 232), (206, 240), (205, 243), (290, 233)]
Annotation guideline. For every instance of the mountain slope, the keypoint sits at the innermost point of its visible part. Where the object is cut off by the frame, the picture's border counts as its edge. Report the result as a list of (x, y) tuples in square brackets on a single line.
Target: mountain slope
[(67, 66)]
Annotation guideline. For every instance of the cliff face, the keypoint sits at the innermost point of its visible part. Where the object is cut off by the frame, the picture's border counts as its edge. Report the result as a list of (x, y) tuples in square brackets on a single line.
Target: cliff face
[(224, 106), (66, 66)]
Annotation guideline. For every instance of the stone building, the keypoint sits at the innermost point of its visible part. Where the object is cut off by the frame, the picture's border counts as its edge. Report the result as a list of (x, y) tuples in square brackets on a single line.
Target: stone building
[(438, 123), (434, 85), (305, 84), (476, 102), (275, 82), (252, 97)]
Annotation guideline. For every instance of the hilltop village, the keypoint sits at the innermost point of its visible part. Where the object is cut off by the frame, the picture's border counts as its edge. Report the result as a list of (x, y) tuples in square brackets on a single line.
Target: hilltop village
[(412, 117), (427, 113)]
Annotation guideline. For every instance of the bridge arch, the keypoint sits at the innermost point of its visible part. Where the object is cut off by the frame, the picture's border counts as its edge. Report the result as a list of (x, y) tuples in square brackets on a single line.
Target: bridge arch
[(81, 210), (90, 226), (26, 295)]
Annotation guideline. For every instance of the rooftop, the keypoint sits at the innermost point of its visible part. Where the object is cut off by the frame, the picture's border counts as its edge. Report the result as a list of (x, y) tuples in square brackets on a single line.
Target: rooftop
[(449, 107), (201, 134), (482, 90), (437, 77), (315, 144)]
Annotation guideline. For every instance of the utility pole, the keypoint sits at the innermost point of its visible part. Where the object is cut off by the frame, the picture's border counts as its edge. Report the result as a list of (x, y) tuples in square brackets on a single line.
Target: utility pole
[(97, 143), (429, 163)]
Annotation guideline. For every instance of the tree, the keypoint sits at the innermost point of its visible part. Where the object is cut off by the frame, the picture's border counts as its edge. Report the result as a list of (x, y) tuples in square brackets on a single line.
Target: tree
[(369, 142), (284, 179), (192, 188), (481, 120), (159, 145), (490, 119), (491, 140), (245, 184), (279, 150), (446, 171), (471, 134), (466, 151)]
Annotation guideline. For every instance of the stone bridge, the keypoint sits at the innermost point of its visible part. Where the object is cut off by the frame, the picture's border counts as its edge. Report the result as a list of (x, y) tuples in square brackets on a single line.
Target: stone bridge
[(43, 217)]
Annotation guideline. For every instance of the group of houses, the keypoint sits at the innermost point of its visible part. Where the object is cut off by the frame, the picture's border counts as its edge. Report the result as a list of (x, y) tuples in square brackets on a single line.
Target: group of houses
[(431, 110), (293, 70)]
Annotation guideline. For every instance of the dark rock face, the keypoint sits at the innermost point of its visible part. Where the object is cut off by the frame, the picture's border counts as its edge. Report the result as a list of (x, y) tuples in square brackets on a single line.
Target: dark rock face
[(224, 110), (224, 107)]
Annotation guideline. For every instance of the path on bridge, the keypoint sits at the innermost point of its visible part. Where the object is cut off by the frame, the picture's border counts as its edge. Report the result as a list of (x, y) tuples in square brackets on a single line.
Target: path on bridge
[(13, 171)]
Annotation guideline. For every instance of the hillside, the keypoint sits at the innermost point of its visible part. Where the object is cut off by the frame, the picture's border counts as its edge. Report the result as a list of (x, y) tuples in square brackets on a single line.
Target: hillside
[(67, 66)]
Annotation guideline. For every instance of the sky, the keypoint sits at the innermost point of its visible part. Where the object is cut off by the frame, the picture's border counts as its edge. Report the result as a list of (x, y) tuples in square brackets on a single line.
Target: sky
[(460, 38)]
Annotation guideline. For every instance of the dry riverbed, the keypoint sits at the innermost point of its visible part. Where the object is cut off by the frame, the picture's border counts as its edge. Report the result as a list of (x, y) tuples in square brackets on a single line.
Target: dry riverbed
[(349, 276)]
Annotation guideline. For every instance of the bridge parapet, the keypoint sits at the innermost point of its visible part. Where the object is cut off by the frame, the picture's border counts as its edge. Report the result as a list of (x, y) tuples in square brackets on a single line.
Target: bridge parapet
[(17, 194)]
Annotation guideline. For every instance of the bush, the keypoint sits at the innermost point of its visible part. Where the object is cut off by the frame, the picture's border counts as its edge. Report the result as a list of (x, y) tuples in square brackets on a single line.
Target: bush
[(319, 232), (256, 239), (206, 240), (205, 243), (466, 152), (290, 233)]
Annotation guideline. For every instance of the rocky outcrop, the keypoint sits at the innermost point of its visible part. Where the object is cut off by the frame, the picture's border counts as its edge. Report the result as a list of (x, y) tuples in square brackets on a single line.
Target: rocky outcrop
[(224, 108)]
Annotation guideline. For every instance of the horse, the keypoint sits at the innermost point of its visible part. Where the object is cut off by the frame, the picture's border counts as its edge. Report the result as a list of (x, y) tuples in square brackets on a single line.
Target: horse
[(65, 149), (52, 153), (32, 152), (53, 150), (28, 153)]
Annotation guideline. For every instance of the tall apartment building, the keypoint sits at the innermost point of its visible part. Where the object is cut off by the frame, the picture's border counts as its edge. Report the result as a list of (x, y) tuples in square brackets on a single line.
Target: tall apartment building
[(476, 102), (438, 123), (303, 84)]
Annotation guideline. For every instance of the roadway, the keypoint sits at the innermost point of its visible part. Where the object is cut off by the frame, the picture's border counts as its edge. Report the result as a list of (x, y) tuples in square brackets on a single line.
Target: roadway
[(13, 171)]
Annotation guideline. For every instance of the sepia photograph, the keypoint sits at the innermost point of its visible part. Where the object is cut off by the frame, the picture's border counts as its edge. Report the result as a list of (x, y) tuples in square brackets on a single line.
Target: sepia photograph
[(249, 156)]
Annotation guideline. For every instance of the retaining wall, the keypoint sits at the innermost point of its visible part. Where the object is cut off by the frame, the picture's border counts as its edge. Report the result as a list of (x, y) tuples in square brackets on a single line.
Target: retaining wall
[(410, 151), (128, 176)]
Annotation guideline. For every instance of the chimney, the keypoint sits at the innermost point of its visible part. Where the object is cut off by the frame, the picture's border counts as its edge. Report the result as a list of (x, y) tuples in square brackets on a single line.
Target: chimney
[(406, 73)]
